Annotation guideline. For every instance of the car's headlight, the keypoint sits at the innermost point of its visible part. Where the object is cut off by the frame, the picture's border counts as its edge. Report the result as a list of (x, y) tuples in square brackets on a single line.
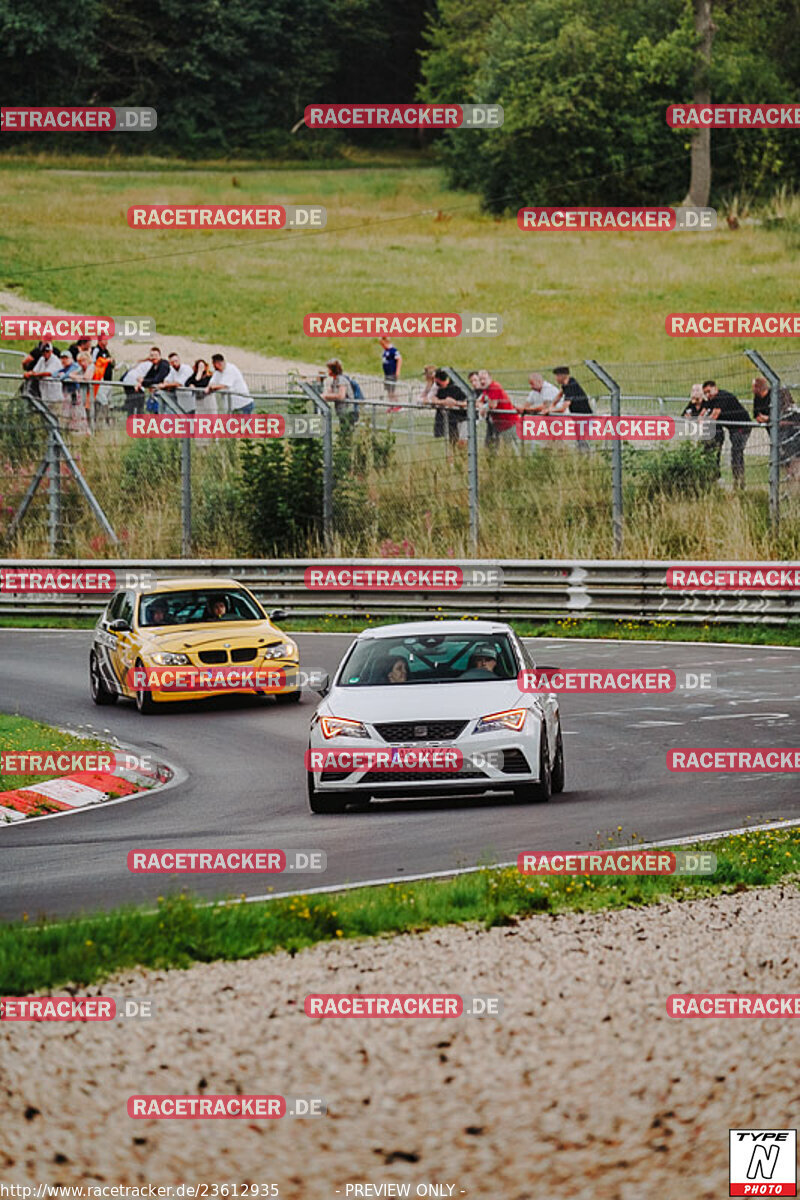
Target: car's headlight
[(281, 650), (509, 718), (342, 727), (165, 659)]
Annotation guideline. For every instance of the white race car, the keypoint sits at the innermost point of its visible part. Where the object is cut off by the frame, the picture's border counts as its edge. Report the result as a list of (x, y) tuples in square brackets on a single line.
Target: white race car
[(433, 707)]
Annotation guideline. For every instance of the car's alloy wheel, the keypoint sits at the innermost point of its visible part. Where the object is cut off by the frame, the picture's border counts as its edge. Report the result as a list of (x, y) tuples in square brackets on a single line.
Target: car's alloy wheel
[(100, 693), (144, 699), (557, 779), (541, 791)]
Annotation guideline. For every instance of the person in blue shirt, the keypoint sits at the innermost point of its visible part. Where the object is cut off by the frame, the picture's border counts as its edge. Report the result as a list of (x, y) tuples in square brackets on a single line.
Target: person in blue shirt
[(392, 361)]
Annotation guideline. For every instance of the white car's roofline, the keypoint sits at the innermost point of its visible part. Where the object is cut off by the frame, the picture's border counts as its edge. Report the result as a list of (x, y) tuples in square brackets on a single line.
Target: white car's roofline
[(416, 628)]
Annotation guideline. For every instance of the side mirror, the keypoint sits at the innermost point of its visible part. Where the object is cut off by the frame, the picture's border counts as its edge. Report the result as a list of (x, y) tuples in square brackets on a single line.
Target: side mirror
[(278, 614), (323, 684), (119, 626)]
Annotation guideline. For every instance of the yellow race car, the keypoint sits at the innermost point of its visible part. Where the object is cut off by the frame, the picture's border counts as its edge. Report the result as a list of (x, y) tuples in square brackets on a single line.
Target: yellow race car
[(189, 639)]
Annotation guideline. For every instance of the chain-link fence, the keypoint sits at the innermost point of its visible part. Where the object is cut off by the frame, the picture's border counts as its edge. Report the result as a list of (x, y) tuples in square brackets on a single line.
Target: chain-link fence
[(401, 472)]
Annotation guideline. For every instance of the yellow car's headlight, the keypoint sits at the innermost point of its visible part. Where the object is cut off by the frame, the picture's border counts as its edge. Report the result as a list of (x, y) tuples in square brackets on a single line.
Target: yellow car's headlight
[(281, 650), (165, 659)]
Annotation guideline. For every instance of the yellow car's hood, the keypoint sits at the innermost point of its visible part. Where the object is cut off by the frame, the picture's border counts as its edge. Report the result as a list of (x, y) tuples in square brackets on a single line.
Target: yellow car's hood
[(211, 634)]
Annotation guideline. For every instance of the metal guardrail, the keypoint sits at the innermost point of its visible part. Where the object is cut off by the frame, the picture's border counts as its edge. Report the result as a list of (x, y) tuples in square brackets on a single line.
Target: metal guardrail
[(606, 589)]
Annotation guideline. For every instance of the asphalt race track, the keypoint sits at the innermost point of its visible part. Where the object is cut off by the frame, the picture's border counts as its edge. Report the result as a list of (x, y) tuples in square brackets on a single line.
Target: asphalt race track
[(245, 784)]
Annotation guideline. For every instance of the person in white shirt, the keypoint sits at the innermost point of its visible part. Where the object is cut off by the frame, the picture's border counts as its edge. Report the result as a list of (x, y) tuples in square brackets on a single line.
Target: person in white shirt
[(178, 374), (134, 398), (229, 378), (45, 373), (539, 399)]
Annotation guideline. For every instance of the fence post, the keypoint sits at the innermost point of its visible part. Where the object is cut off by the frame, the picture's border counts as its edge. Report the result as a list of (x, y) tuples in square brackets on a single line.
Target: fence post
[(186, 498), (54, 493), (616, 454), (774, 438), (326, 412), (472, 458)]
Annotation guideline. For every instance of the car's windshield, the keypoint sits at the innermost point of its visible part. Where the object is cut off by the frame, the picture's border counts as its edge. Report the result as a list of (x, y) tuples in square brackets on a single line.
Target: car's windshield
[(197, 605), (429, 658)]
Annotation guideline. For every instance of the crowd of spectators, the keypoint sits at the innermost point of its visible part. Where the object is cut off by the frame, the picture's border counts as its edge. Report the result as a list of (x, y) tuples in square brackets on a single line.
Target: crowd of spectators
[(79, 377), (77, 381)]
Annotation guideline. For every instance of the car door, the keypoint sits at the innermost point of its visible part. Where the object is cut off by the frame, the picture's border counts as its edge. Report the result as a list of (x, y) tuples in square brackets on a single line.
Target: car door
[(123, 647)]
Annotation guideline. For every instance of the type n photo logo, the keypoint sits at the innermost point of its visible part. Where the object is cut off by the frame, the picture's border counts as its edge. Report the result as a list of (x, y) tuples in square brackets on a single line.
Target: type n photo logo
[(763, 1162)]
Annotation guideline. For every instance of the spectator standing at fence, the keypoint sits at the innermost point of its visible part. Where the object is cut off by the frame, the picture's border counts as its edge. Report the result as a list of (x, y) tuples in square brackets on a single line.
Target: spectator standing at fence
[(104, 365), (428, 390), (178, 375), (85, 376), (151, 381), (571, 398), (391, 362), (80, 345), (198, 380), (338, 391), (134, 398), (73, 414), (539, 400), (35, 353), (44, 375), (227, 377), (731, 415), (762, 400), (452, 403), (789, 437), (501, 413)]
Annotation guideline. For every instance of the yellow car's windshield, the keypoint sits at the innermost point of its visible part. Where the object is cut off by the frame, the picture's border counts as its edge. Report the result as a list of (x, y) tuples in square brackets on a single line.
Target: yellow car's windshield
[(196, 606)]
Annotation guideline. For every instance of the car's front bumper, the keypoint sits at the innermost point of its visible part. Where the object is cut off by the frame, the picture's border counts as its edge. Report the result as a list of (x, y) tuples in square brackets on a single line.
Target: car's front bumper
[(288, 667)]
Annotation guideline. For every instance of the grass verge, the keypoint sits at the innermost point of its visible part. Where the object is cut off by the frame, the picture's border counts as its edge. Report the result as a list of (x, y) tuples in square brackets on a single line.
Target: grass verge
[(18, 734), (183, 931)]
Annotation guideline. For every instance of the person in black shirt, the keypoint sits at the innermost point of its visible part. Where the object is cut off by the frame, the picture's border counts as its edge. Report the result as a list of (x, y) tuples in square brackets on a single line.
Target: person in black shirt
[(452, 401), (571, 398), (81, 345), (762, 400), (156, 374), (731, 415)]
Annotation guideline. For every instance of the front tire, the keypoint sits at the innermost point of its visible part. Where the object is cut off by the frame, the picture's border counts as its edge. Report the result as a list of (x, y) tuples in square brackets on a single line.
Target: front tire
[(144, 699), (540, 791), (558, 772), (330, 803), (100, 693)]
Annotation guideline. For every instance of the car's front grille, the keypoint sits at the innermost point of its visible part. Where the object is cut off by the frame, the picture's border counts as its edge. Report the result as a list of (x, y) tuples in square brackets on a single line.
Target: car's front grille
[(421, 731), (243, 654), (515, 763), (418, 776), (213, 656)]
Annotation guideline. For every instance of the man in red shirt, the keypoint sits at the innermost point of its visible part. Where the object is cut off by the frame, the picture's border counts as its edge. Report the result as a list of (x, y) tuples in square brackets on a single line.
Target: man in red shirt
[(501, 414)]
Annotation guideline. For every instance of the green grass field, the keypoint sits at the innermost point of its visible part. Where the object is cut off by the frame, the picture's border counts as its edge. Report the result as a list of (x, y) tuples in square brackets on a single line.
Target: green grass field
[(396, 241), (19, 734)]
